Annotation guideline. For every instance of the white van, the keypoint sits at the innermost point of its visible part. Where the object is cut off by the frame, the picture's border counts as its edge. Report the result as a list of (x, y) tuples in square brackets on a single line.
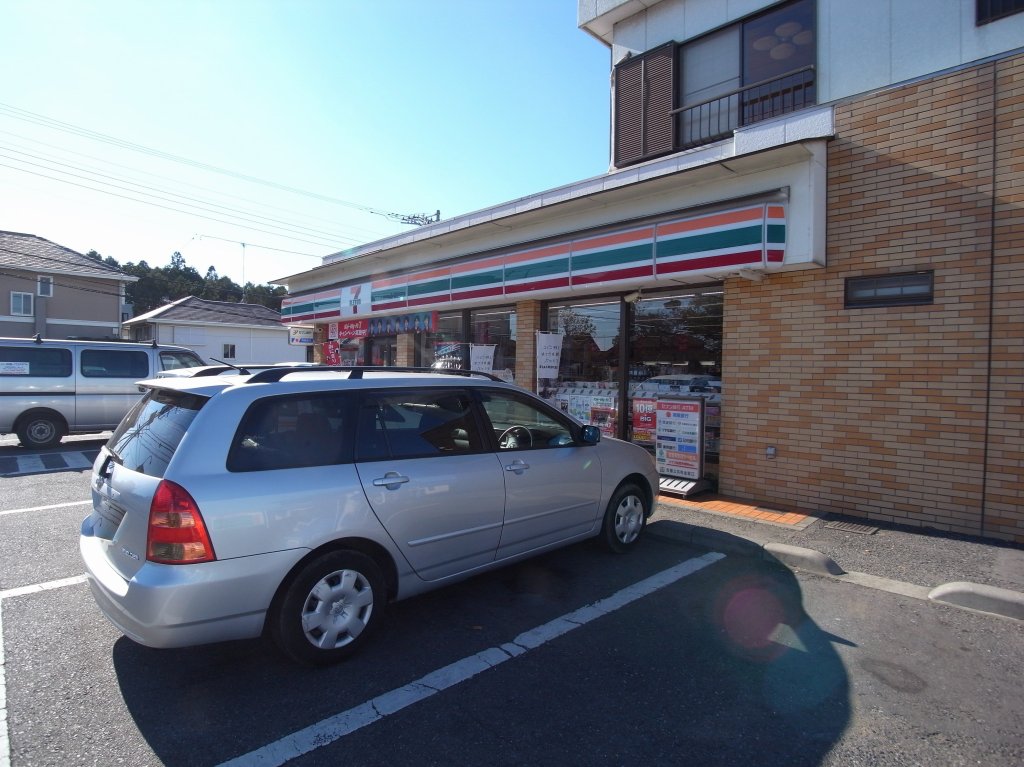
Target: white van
[(51, 388)]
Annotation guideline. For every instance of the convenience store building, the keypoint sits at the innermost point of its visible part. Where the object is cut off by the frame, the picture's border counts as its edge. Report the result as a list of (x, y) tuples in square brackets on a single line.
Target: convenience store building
[(842, 248)]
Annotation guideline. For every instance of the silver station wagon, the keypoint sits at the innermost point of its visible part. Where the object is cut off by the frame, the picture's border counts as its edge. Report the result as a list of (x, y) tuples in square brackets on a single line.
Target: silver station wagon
[(298, 502)]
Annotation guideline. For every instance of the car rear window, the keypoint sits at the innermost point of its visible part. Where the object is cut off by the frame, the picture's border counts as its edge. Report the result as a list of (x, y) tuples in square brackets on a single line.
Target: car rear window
[(146, 439)]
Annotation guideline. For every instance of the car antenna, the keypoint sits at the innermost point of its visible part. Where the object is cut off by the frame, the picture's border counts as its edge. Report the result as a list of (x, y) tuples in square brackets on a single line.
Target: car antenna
[(222, 362)]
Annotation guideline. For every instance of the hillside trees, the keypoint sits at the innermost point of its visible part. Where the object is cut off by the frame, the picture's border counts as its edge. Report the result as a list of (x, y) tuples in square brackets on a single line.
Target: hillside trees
[(157, 286)]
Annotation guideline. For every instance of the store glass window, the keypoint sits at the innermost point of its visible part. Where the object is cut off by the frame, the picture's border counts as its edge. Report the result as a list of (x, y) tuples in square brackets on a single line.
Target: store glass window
[(493, 339), (445, 347), (676, 351), (587, 384)]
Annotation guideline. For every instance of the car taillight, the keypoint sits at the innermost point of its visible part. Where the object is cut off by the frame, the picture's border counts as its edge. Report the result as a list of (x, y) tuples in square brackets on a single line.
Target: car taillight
[(177, 534)]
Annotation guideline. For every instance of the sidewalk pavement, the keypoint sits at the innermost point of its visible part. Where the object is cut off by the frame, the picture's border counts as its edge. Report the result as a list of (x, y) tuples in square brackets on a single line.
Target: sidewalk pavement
[(966, 572)]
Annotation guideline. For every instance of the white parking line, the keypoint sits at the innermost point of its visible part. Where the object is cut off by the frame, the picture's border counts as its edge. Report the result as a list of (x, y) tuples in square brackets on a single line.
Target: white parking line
[(37, 587), (338, 726), (44, 508), (5, 740)]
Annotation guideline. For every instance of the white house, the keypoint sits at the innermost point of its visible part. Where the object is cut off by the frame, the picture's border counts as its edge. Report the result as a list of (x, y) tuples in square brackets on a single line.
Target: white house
[(236, 333)]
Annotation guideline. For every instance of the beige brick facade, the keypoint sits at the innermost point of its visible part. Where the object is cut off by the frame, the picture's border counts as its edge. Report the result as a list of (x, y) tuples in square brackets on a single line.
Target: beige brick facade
[(904, 414)]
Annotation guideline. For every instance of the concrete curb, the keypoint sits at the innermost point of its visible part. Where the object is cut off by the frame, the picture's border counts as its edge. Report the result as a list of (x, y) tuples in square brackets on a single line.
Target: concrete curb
[(805, 559), (979, 597), (976, 597)]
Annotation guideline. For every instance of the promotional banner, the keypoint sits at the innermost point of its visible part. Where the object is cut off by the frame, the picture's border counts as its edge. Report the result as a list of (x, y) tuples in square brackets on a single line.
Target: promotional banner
[(549, 354), (403, 323), (332, 353), (351, 329)]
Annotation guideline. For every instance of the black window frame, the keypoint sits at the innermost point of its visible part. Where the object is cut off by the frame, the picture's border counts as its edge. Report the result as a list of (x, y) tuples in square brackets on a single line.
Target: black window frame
[(987, 11), (878, 281)]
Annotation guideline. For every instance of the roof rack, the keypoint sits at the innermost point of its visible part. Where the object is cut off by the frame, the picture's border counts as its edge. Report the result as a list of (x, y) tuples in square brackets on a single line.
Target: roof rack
[(273, 375)]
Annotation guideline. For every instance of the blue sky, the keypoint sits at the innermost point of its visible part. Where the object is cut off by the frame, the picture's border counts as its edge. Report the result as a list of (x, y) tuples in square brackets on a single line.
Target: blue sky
[(396, 105)]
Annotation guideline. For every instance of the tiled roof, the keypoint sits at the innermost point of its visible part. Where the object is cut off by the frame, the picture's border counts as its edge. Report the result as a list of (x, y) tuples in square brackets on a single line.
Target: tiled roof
[(34, 254), (192, 309)]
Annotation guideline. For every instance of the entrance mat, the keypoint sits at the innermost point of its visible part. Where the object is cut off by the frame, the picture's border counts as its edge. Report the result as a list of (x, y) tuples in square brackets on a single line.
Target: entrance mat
[(752, 511)]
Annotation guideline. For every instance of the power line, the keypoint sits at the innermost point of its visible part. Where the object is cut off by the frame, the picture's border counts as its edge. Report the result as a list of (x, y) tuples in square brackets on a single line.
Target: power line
[(64, 150), (254, 245), (157, 205), (38, 119), (199, 204)]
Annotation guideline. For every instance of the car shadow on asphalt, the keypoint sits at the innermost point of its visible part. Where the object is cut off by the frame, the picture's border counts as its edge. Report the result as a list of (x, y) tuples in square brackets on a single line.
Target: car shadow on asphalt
[(722, 667)]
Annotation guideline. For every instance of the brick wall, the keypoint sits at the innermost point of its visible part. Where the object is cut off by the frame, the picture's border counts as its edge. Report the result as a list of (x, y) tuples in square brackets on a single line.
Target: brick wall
[(900, 414), (528, 322)]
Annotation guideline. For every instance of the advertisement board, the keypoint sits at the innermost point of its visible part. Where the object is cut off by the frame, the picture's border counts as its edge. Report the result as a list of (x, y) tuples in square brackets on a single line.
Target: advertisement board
[(300, 335), (679, 437)]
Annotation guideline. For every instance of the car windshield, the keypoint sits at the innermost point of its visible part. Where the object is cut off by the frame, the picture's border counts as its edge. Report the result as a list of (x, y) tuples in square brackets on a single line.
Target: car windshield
[(146, 439)]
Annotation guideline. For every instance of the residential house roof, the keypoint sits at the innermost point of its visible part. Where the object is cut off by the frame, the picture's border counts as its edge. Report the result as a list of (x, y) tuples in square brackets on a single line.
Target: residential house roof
[(35, 254), (198, 310)]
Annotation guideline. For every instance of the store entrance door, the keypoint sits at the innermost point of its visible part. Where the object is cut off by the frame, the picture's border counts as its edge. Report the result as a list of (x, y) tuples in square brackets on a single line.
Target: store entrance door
[(384, 351)]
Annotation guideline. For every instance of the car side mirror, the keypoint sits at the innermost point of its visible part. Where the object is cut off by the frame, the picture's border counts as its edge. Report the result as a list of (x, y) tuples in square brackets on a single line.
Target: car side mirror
[(590, 435)]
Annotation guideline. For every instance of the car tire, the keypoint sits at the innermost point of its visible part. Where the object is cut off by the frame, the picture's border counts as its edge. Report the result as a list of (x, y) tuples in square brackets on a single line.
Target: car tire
[(329, 608), (625, 518), (40, 430)]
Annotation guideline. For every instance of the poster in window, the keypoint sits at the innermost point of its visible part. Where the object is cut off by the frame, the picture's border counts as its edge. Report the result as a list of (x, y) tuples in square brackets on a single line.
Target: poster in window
[(332, 353), (645, 410), (481, 357), (549, 354), (603, 415)]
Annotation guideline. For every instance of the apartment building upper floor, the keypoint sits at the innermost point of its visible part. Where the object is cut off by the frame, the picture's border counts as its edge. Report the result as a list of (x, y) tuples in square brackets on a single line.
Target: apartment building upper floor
[(687, 73)]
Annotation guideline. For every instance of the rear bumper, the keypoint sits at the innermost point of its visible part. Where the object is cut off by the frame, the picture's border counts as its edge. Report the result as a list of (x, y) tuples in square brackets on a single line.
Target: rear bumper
[(183, 605)]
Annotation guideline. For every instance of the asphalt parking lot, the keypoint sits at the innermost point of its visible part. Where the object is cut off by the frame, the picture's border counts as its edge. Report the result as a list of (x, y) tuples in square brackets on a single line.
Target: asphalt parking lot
[(670, 655)]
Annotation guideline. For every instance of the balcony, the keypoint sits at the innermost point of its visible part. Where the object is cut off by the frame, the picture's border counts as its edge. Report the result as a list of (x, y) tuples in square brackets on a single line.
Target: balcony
[(717, 118)]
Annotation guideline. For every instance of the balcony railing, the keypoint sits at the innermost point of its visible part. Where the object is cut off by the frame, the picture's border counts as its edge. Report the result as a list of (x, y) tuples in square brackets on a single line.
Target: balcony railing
[(713, 120)]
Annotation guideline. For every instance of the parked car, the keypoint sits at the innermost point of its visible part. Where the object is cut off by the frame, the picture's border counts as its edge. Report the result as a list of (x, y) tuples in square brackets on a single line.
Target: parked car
[(678, 385), (297, 502), (52, 388)]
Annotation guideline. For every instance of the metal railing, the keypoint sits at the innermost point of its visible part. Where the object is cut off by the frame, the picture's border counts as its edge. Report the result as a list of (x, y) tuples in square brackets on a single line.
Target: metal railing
[(717, 118)]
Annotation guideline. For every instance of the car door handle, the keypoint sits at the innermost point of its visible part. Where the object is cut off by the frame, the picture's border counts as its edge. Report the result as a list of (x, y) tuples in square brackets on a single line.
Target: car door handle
[(391, 480), (517, 466)]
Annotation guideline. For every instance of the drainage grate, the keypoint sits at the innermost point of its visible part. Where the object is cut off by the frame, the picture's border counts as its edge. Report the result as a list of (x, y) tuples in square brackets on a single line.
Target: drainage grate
[(852, 527)]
